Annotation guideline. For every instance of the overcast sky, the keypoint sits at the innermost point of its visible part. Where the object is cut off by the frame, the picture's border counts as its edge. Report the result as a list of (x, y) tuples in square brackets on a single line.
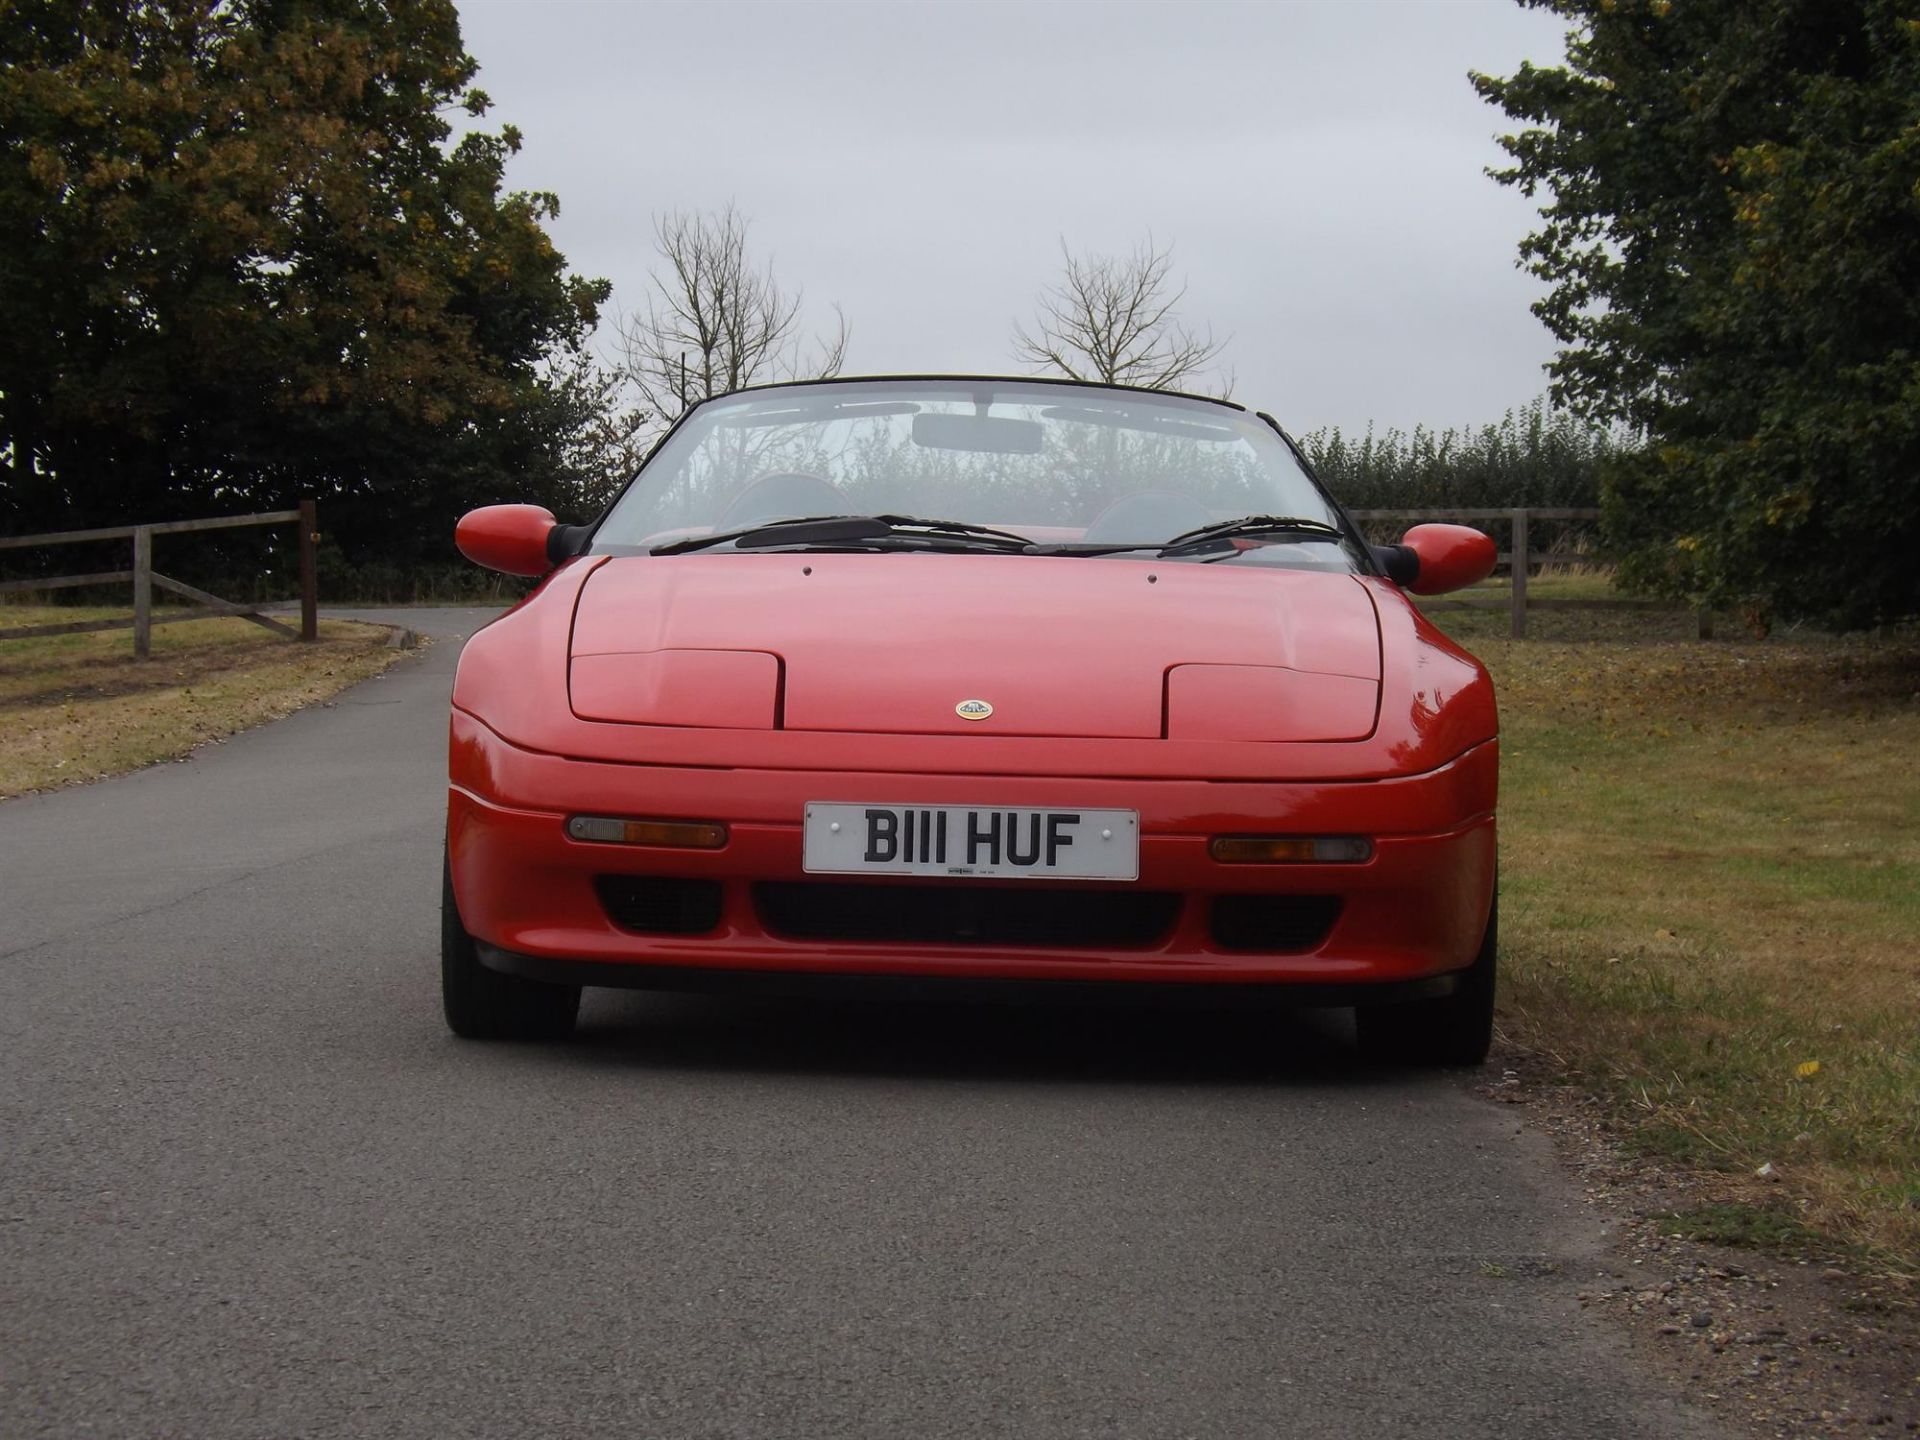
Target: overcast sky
[(1318, 168)]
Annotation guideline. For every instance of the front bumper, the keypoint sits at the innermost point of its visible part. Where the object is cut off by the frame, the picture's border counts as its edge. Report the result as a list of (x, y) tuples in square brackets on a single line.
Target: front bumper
[(1411, 915)]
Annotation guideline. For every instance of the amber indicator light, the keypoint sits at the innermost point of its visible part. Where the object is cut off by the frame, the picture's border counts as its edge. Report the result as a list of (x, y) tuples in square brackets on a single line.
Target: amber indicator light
[(669, 834)]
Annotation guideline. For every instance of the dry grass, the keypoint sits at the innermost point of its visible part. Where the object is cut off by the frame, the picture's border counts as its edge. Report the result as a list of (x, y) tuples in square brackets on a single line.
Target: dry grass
[(77, 707), (1711, 900)]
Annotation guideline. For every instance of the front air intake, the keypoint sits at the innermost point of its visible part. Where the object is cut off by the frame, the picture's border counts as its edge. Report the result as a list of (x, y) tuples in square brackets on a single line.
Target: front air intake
[(1274, 924), (658, 905), (967, 914)]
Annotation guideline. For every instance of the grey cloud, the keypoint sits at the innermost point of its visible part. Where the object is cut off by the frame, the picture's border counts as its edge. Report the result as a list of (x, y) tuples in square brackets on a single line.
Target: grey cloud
[(1317, 166)]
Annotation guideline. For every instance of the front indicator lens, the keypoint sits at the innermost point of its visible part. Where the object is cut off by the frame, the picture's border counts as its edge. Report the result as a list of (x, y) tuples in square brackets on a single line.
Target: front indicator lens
[(1289, 850), (673, 834)]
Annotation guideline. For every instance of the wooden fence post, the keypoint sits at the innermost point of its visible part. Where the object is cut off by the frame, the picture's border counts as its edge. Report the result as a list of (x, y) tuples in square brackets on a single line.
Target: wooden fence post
[(309, 585), (142, 592), (1705, 618), (1518, 568)]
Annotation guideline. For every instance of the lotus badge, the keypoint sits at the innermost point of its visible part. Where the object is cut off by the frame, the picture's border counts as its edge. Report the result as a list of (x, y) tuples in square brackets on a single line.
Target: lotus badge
[(973, 709)]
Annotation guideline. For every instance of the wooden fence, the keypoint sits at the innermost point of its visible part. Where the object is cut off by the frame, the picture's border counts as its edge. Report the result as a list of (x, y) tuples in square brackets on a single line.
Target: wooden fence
[(146, 579), (1519, 558)]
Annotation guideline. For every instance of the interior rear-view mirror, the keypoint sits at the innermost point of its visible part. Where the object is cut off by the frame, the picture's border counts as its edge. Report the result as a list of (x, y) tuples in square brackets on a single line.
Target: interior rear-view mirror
[(981, 434)]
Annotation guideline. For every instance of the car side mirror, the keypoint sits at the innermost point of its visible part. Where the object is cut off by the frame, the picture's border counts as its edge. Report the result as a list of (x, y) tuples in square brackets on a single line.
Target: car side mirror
[(513, 539), (1433, 559)]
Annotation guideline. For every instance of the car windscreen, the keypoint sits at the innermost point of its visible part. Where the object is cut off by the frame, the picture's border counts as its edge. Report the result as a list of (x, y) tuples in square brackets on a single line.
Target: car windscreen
[(1060, 465)]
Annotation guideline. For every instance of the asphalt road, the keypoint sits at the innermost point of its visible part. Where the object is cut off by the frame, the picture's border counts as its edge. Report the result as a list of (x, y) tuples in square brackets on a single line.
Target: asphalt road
[(249, 1186)]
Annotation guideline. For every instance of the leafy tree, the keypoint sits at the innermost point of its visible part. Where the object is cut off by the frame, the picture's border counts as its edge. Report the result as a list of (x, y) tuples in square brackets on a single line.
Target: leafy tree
[(600, 433), (1112, 318), (1732, 238), (243, 259)]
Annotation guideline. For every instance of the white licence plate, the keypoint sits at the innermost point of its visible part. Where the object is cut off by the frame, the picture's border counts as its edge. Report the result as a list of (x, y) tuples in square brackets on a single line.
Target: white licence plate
[(970, 840)]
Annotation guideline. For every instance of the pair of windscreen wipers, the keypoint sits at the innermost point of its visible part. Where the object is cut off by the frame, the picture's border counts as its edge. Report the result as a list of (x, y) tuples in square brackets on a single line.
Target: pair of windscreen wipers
[(909, 532)]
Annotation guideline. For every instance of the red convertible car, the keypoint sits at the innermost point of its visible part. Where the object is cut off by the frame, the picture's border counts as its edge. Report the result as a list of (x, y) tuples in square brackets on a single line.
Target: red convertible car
[(1027, 686)]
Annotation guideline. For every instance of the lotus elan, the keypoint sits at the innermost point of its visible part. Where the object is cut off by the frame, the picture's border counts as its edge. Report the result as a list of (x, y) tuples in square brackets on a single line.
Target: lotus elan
[(1015, 686)]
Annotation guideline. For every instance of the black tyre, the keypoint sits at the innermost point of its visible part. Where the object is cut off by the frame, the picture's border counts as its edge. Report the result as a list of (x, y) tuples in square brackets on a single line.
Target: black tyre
[(1455, 1029), (483, 1004)]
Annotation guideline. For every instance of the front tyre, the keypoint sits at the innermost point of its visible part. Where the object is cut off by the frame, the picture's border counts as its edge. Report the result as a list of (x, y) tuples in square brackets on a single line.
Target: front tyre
[(483, 1004), (1454, 1029)]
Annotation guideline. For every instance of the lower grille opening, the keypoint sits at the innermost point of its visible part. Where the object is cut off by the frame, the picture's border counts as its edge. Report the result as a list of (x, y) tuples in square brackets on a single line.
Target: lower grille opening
[(1275, 924), (658, 905), (967, 914)]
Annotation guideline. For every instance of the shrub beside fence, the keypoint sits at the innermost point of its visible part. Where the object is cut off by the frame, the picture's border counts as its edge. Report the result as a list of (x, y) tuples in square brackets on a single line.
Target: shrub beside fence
[(1535, 456), (145, 579)]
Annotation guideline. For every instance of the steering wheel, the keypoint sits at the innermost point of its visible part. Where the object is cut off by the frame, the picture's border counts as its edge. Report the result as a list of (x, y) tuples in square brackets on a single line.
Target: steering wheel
[(783, 495), (1151, 517)]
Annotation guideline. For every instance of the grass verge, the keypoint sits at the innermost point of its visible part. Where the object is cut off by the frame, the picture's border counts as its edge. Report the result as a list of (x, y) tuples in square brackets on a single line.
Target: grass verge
[(1775, 1229), (1711, 904), (78, 707)]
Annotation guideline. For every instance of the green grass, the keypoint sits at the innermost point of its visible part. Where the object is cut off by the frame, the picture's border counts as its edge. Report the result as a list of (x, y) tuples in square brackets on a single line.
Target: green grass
[(1769, 1228), (1711, 882)]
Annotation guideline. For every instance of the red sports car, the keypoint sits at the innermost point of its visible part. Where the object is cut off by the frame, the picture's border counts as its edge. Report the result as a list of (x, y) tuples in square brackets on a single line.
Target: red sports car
[(1027, 686)]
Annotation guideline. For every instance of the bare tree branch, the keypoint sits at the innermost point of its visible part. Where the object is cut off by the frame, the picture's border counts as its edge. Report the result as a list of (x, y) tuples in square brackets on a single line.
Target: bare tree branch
[(714, 322), (1111, 318)]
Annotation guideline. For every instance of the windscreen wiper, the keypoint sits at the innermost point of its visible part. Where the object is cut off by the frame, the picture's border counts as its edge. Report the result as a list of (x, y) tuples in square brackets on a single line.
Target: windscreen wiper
[(1190, 541), (914, 525), (804, 530), (1249, 526), (854, 532)]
